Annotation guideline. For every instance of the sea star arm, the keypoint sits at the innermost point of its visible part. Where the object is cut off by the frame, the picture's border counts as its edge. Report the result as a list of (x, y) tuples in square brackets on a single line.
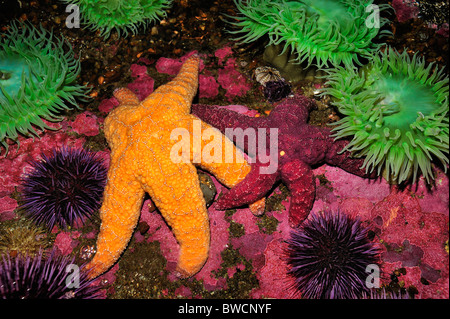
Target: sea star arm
[(294, 109), (119, 213), (250, 190), (299, 179), (230, 166), (175, 190), (181, 90), (223, 119), (343, 160)]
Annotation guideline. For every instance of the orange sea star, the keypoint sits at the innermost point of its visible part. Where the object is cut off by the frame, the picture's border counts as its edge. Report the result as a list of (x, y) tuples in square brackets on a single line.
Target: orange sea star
[(139, 135)]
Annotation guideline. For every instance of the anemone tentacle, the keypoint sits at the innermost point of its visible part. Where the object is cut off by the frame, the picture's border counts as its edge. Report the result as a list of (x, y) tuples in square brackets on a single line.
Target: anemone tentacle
[(124, 16), (37, 80), (322, 31), (396, 112)]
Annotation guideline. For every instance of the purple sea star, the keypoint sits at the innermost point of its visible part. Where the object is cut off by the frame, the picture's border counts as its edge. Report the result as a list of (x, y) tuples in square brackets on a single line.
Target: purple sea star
[(300, 146)]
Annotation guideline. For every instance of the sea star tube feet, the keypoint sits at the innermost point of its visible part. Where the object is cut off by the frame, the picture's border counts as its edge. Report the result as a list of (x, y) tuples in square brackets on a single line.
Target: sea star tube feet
[(300, 146), (141, 141)]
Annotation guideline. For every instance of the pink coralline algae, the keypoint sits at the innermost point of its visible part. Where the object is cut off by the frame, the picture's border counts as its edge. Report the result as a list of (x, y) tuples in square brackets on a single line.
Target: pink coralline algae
[(444, 30), (7, 206), (232, 80), (168, 66), (173, 66), (107, 105), (414, 238), (411, 226), (220, 235), (273, 276), (65, 242), (138, 70), (405, 9), (222, 53), (159, 231), (86, 123), (346, 191), (229, 78), (143, 85), (208, 87)]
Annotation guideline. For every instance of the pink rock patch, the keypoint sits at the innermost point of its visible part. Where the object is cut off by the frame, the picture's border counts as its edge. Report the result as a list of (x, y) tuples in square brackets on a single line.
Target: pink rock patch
[(138, 70), (208, 86), (159, 231), (108, 105), (348, 185), (7, 206), (142, 86), (405, 9), (168, 66), (357, 207), (173, 66), (274, 281), (86, 123), (223, 53), (66, 242), (414, 240), (232, 80), (219, 241)]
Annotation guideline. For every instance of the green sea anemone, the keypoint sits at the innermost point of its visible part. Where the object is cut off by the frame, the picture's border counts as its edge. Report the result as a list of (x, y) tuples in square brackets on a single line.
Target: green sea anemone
[(121, 15), (37, 80), (320, 31), (22, 237), (396, 110)]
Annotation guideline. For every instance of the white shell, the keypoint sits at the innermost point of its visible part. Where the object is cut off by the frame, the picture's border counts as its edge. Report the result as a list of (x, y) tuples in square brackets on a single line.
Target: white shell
[(264, 74)]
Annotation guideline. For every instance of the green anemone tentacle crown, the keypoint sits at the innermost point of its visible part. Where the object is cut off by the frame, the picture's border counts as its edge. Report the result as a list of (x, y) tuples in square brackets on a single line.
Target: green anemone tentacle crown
[(120, 15), (321, 32), (37, 80), (396, 112)]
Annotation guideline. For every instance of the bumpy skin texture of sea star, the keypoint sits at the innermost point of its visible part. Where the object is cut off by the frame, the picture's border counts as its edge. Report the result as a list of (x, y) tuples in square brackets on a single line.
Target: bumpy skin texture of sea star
[(139, 135), (300, 145)]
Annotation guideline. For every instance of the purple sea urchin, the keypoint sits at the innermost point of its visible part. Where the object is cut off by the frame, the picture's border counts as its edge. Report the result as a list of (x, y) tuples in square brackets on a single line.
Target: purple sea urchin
[(64, 188), (40, 278), (320, 31), (37, 80), (328, 255), (120, 15), (396, 111)]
